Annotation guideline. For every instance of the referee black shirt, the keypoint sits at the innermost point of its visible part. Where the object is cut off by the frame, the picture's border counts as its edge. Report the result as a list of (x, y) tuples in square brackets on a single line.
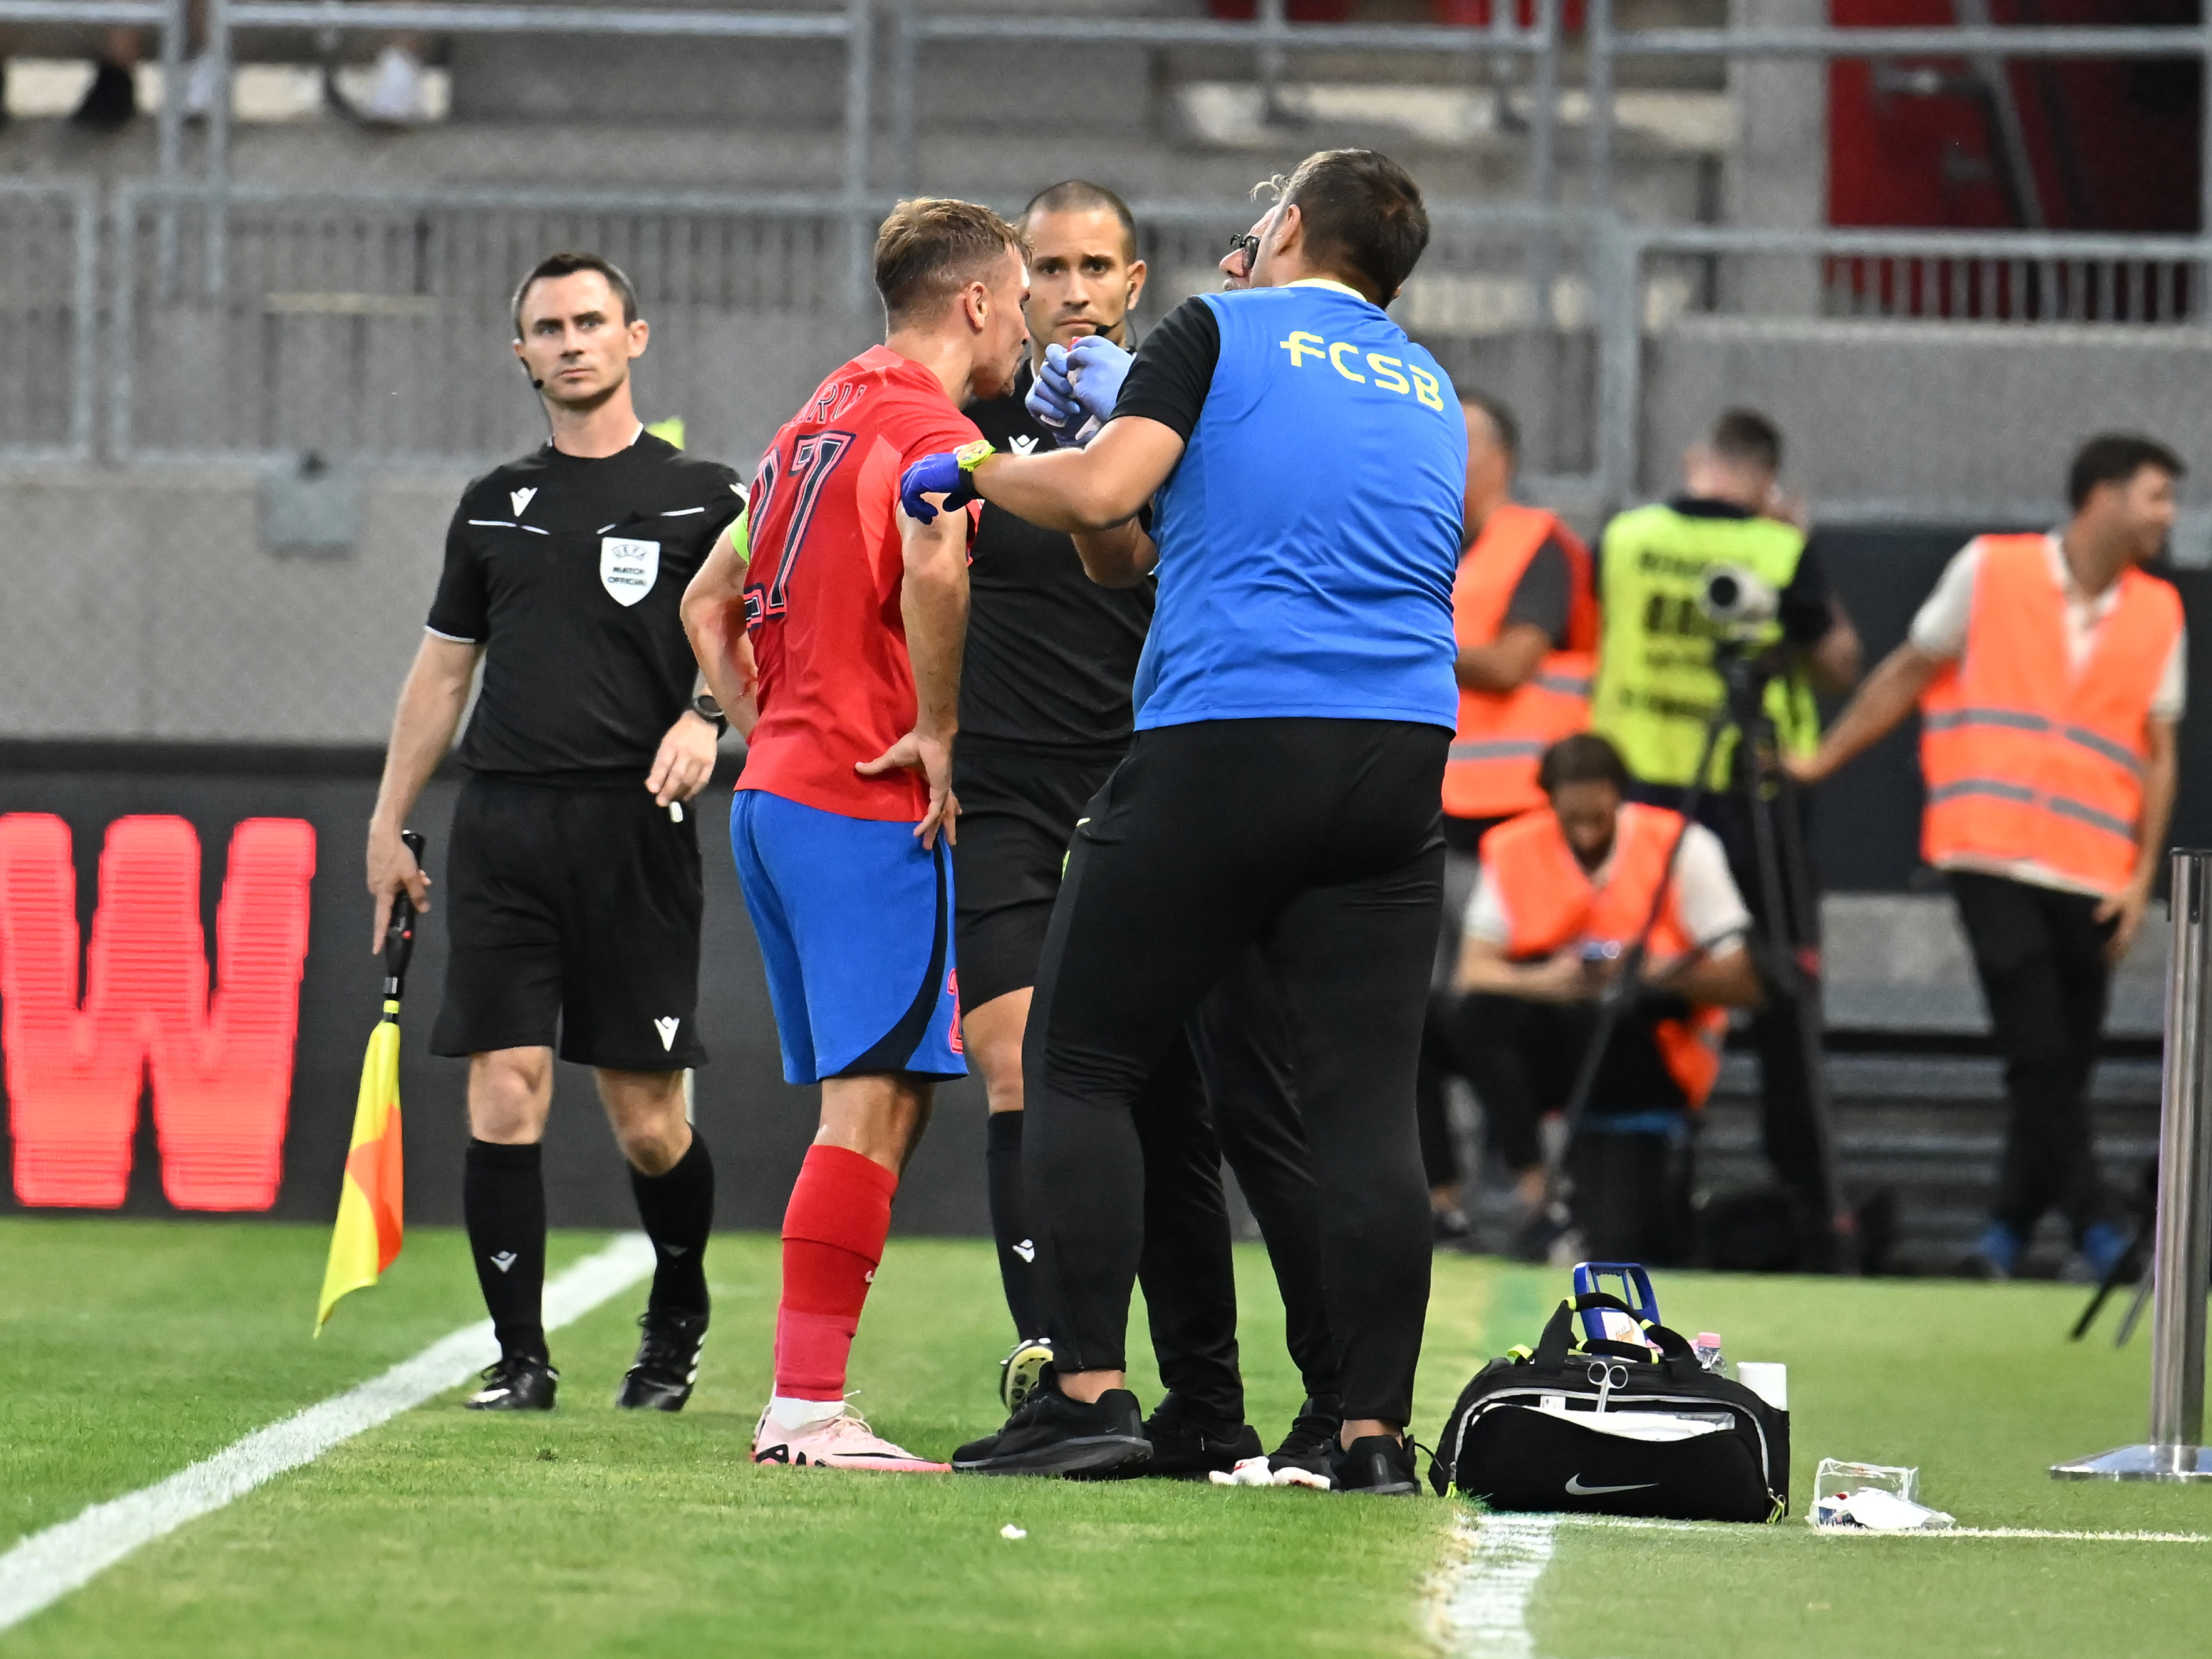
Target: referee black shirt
[(1051, 655), (572, 571)]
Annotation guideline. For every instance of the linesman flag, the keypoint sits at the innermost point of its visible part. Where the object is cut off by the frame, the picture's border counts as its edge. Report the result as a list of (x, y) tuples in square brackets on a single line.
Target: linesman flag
[(371, 1210)]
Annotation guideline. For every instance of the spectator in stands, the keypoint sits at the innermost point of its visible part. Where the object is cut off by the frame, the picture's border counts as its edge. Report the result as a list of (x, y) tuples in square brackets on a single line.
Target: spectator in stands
[(1658, 687), (2050, 676), (112, 98), (1563, 894), (398, 94), (1526, 621)]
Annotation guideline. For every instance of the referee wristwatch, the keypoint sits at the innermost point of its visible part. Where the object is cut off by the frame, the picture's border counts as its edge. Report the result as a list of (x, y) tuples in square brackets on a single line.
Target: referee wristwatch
[(709, 709)]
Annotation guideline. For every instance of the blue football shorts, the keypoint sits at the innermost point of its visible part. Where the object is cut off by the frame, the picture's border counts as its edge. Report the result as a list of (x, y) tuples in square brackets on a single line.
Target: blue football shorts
[(854, 920)]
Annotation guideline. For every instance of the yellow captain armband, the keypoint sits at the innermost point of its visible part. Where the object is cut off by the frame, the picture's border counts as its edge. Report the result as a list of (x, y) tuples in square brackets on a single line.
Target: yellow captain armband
[(741, 536), (971, 456)]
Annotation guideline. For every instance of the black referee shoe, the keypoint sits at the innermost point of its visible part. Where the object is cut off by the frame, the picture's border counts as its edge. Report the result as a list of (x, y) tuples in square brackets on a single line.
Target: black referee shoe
[(1051, 1434), (1310, 1447), (668, 1363), (1186, 1449), (1379, 1467), (519, 1382)]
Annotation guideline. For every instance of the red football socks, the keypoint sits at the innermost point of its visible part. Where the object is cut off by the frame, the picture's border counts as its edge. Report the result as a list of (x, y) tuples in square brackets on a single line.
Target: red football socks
[(833, 1237)]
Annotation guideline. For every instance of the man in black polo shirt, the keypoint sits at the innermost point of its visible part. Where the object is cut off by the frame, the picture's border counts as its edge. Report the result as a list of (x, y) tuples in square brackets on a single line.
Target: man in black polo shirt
[(573, 864), (1045, 716)]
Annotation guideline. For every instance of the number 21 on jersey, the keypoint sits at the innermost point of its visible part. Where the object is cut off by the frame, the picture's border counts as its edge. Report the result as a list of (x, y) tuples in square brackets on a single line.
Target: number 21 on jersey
[(782, 512)]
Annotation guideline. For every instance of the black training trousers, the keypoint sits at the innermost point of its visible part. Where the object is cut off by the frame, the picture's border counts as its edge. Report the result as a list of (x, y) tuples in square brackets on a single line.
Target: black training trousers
[(1241, 1039), (1630, 1188), (2040, 955), (1319, 840)]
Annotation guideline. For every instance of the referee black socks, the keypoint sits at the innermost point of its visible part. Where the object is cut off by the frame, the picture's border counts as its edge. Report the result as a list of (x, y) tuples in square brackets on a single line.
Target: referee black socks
[(677, 1209), (1010, 1221), (503, 1200)]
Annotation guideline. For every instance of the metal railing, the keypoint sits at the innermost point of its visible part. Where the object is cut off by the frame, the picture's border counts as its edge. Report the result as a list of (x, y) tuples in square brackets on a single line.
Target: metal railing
[(1582, 284), (1268, 36), (50, 254), (330, 305)]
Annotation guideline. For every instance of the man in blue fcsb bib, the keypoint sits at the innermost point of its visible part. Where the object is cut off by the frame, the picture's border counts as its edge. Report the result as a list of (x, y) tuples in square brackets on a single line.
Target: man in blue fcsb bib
[(1304, 461)]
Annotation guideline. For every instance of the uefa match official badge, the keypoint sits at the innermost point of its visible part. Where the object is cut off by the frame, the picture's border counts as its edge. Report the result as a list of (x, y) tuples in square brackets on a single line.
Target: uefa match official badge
[(627, 568)]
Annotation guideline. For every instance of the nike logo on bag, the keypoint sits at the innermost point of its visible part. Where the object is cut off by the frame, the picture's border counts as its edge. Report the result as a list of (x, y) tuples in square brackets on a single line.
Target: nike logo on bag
[(1023, 443), (521, 499), (502, 1259), (667, 1030), (1026, 1250), (1577, 1489)]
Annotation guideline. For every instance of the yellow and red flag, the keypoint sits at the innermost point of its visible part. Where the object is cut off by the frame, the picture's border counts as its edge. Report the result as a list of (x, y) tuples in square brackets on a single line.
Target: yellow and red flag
[(371, 1208)]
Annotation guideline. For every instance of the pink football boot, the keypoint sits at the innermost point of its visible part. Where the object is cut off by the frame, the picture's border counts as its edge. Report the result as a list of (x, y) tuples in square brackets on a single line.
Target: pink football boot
[(842, 1442)]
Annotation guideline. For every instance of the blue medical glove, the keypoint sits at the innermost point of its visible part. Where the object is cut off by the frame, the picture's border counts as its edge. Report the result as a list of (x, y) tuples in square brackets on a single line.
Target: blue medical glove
[(1096, 368), (947, 474), (1051, 400)]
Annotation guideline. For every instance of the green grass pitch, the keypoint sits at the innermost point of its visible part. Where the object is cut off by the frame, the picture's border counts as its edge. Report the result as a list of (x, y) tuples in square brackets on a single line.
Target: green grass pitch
[(128, 1349)]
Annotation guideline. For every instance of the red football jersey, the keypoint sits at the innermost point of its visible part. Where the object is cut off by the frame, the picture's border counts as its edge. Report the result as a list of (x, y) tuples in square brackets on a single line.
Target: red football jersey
[(822, 591)]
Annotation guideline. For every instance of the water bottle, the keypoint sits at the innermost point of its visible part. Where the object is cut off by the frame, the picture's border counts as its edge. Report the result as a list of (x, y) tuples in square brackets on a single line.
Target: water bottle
[(1707, 1348)]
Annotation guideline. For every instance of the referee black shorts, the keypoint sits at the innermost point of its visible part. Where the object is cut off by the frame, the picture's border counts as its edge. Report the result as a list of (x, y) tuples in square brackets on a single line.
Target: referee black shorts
[(573, 920), (1018, 807)]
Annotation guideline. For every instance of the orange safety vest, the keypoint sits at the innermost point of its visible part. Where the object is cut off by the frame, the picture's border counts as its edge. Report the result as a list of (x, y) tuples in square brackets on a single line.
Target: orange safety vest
[(1491, 771), (2024, 758), (1552, 903)]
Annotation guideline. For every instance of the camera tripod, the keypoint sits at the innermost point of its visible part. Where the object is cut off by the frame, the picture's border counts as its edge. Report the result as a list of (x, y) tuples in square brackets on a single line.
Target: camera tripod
[(1785, 891)]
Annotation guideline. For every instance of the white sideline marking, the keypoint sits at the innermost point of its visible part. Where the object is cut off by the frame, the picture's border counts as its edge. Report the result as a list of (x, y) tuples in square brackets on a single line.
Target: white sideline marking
[(1481, 1608), (47, 1566), (1621, 1522)]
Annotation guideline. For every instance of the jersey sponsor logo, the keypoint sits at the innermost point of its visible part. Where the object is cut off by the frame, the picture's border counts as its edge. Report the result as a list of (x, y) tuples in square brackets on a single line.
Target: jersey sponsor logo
[(1023, 443), (521, 498), (667, 1027), (627, 568), (1384, 373)]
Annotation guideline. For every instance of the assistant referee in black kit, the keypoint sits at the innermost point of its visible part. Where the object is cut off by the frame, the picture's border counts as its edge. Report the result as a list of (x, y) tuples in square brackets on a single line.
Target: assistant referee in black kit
[(574, 865)]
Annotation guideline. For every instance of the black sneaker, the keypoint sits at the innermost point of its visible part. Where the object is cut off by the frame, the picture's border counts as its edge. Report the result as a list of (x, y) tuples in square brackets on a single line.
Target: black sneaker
[(1377, 1466), (1184, 1449), (519, 1382), (1051, 1434), (110, 101), (1307, 1456), (667, 1362)]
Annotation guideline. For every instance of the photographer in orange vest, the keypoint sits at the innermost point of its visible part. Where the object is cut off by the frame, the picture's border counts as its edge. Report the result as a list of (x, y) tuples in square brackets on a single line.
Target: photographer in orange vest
[(2050, 674), (1563, 892), (1525, 616)]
